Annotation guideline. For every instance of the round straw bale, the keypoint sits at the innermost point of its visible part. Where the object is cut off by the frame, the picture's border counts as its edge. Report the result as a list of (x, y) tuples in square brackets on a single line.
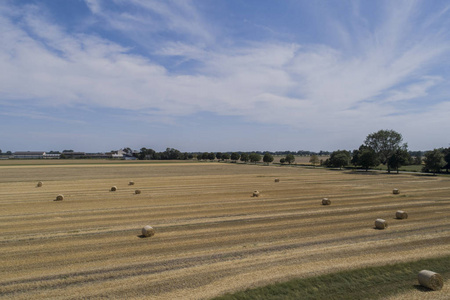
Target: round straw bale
[(59, 198), (395, 191), (326, 201), (255, 194), (277, 180), (148, 231), (137, 192), (380, 224), (431, 280), (39, 184), (400, 214), (113, 188), (131, 183)]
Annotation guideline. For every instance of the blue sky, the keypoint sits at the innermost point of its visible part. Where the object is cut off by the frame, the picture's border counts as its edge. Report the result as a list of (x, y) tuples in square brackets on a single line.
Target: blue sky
[(98, 75)]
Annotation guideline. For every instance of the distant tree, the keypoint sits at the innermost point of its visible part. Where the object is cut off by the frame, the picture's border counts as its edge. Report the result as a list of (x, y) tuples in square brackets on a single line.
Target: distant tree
[(385, 143), (65, 151), (364, 157), (367, 158), (0, 151), (290, 158), (418, 159), (447, 159), (235, 156), (245, 157), (282, 160), (355, 156), (226, 156), (339, 159), (254, 157), (314, 160), (211, 156), (219, 155), (170, 154), (8, 153), (146, 154), (434, 161), (268, 158), (399, 158)]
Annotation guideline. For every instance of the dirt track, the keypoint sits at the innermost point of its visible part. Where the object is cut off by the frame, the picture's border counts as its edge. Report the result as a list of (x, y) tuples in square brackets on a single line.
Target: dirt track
[(211, 235)]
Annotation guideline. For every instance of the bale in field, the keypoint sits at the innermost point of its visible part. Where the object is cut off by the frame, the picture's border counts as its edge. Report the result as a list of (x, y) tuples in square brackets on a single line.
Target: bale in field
[(400, 214), (255, 194), (137, 192), (395, 191), (113, 189), (39, 184), (380, 224), (277, 180), (59, 198), (131, 183), (326, 201), (431, 280), (148, 231)]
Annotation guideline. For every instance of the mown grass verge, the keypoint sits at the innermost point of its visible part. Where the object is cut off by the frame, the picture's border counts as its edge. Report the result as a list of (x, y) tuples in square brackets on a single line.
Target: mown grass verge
[(367, 283)]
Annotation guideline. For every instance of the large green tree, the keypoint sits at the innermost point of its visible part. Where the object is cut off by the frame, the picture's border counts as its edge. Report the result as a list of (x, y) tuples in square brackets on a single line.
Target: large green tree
[(268, 158), (339, 158), (235, 156), (219, 155), (170, 153), (244, 157), (385, 143), (254, 157), (225, 156), (290, 158), (434, 161), (146, 154), (365, 157), (211, 156), (400, 158), (205, 155)]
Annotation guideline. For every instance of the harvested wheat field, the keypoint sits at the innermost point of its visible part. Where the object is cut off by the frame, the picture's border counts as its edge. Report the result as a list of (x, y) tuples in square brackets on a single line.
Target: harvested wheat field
[(211, 235)]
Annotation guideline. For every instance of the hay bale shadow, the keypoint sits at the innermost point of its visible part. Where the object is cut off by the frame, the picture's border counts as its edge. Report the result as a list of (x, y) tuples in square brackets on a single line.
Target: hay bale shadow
[(374, 227), (141, 236), (422, 288)]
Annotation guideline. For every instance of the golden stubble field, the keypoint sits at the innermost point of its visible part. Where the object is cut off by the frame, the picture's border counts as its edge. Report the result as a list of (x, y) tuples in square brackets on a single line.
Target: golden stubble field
[(211, 236)]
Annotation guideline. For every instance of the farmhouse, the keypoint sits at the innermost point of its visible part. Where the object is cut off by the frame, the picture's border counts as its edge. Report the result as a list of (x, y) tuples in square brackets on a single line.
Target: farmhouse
[(29, 154), (119, 154)]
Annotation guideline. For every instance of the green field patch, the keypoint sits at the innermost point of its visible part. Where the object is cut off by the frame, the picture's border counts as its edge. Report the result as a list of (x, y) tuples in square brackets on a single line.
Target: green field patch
[(366, 283)]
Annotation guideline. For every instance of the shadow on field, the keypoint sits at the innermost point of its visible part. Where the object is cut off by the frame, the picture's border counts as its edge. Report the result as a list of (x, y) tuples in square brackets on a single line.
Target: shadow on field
[(425, 175), (141, 236), (422, 288), (364, 172)]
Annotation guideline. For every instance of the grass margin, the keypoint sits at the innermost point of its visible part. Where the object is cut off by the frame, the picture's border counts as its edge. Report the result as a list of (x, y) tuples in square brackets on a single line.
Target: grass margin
[(376, 282)]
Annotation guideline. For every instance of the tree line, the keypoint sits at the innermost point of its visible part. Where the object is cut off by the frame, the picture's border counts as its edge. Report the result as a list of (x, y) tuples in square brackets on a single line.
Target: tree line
[(386, 147)]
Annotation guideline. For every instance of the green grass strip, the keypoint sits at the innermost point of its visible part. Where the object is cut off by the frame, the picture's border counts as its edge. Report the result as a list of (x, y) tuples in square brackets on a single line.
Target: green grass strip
[(367, 283)]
